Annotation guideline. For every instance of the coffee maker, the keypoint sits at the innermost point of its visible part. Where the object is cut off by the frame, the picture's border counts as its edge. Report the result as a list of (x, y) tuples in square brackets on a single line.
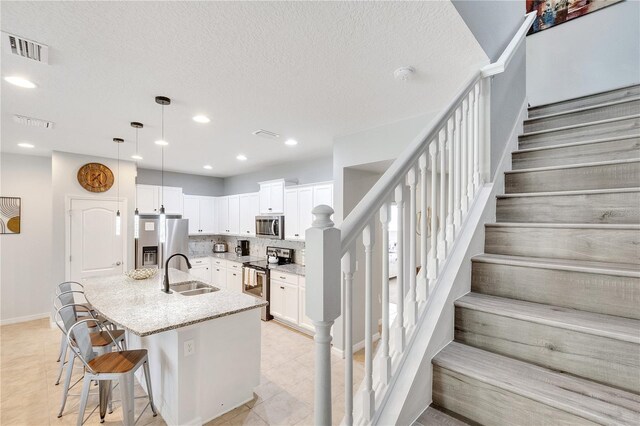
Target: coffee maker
[(242, 248)]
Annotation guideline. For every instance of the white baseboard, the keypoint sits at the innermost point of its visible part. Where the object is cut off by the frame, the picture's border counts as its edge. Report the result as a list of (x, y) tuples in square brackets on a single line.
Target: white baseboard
[(25, 318), (358, 346)]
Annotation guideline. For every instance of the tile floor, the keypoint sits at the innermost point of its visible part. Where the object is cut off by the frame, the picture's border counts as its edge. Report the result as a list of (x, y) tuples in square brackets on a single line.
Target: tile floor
[(28, 371)]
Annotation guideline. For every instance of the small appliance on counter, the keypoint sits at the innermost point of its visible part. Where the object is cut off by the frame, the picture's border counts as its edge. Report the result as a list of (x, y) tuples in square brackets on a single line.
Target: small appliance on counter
[(242, 248), (220, 247), (256, 276)]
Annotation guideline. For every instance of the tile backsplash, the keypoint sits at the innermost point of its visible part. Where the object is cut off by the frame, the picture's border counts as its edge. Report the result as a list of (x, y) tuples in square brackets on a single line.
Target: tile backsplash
[(257, 246)]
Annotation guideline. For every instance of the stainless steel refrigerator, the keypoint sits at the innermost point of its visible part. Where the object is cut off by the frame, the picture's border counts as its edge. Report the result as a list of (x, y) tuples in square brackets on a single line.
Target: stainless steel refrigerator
[(150, 253)]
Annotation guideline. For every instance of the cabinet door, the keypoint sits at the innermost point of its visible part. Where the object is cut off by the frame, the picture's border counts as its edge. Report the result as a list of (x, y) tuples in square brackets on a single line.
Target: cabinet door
[(223, 215), (323, 194), (172, 200), (303, 319), (290, 310), (192, 212), (147, 199), (291, 214), (234, 280), (207, 213), (305, 206), (276, 302), (276, 196), (234, 215), (248, 212), (265, 198), (219, 277)]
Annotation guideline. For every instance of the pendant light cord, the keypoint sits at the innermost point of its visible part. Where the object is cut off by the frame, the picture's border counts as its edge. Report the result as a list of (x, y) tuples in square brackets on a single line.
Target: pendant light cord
[(162, 160), (118, 176), (137, 154)]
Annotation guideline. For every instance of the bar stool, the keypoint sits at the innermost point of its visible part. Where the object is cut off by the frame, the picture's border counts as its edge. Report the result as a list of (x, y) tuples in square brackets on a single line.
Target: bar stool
[(64, 287), (101, 342), (120, 366)]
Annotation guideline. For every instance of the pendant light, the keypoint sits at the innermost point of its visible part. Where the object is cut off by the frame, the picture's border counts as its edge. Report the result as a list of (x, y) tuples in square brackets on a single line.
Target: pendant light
[(136, 156), (162, 100), (118, 141)]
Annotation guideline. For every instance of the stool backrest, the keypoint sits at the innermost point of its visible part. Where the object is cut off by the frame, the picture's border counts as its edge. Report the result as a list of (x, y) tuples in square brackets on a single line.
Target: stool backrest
[(68, 286), (66, 298), (80, 341)]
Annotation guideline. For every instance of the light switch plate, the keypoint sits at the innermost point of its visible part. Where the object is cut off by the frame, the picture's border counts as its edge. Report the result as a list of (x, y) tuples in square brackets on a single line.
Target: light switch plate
[(189, 347)]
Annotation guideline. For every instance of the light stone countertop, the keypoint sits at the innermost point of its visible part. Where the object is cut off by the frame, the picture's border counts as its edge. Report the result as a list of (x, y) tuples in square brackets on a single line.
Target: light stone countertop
[(291, 268), (142, 308)]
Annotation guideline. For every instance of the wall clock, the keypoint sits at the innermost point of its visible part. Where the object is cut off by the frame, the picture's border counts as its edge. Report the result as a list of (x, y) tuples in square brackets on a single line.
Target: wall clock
[(95, 177)]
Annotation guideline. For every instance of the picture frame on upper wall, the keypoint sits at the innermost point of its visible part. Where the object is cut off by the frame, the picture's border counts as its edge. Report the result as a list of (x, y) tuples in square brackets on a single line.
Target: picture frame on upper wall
[(550, 13), (10, 210)]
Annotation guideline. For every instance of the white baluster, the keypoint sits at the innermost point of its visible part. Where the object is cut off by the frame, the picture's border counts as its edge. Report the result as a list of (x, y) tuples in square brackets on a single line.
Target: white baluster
[(423, 290), (457, 214), (368, 396), (348, 266), (432, 271), (442, 243), (470, 146), (450, 229), (463, 157), (398, 330), (385, 359), (476, 138), (412, 307)]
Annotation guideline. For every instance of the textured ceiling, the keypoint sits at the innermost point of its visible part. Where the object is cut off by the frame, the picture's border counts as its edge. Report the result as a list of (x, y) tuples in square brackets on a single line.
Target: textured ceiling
[(306, 70)]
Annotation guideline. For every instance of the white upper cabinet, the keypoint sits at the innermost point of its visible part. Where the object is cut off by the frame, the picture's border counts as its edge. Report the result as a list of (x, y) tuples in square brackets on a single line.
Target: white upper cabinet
[(150, 199), (207, 215), (234, 214), (291, 214), (323, 194), (249, 209), (299, 202), (223, 215), (192, 212), (305, 205), (272, 196), (201, 213)]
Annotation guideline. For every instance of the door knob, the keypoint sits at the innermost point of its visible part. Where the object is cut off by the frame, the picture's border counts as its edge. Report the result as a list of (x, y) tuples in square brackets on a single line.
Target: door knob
[(118, 263)]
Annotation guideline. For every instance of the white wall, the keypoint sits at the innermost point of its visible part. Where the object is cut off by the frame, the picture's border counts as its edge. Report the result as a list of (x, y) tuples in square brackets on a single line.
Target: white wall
[(594, 53), (190, 184), (25, 258), (64, 171)]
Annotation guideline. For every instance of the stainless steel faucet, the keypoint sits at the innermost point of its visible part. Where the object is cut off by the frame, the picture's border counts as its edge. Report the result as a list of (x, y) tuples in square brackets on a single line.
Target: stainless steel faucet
[(165, 282)]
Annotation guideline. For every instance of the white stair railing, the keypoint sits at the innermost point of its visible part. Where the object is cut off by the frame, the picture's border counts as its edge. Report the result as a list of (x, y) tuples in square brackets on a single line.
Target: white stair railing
[(450, 159)]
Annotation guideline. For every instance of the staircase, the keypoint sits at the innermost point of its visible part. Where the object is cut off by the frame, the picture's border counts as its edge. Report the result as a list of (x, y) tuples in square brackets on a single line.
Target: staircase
[(550, 332)]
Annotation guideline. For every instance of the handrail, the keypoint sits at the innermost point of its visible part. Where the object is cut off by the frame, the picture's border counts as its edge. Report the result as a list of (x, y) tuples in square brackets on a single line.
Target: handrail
[(503, 61)]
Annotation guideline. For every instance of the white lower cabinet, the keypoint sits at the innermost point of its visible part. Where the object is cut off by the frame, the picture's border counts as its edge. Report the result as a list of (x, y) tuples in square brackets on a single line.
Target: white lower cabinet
[(201, 269), (234, 280), (219, 277), (284, 301), (303, 320)]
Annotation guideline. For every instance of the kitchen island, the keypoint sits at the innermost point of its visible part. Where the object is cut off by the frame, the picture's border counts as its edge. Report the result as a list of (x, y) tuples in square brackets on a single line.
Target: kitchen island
[(204, 350)]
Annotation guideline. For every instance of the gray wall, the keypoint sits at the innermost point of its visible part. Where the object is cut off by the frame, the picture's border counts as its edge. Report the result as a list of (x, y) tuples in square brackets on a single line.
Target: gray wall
[(190, 184), (494, 23), (304, 171), (594, 53)]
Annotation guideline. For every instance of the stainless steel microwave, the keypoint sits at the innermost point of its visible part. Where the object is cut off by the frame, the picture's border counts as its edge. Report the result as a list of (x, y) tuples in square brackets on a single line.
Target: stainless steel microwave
[(270, 227)]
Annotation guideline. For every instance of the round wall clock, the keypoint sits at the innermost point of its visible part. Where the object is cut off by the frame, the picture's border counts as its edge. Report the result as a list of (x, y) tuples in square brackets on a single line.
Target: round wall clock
[(95, 177)]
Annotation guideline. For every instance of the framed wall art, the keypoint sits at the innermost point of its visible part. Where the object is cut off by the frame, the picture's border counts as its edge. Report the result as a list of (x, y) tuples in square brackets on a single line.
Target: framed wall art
[(555, 12), (9, 215)]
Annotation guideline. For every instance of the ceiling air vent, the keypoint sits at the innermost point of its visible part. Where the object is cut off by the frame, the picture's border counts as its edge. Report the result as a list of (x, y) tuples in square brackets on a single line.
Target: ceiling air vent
[(26, 48), (33, 122), (266, 134)]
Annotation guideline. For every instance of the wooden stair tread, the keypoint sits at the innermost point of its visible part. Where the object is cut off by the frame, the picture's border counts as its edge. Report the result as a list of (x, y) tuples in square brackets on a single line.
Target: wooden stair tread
[(574, 166), (606, 268), (435, 417), (583, 109), (102, 338), (611, 226), (117, 362), (574, 144), (619, 328), (629, 88), (589, 400), (577, 126), (571, 192)]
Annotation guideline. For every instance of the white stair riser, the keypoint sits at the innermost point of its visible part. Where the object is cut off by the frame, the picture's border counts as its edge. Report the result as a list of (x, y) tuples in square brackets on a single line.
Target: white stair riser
[(600, 98), (611, 207), (490, 405), (619, 149), (605, 360), (599, 176), (598, 113), (598, 245), (616, 128), (590, 292)]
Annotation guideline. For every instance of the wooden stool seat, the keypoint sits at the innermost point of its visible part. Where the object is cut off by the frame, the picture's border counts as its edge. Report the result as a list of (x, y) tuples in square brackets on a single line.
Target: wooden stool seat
[(103, 339), (117, 362)]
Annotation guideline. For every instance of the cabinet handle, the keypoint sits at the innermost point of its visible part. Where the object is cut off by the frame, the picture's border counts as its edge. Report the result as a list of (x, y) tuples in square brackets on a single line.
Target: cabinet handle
[(283, 278), (297, 235), (282, 287)]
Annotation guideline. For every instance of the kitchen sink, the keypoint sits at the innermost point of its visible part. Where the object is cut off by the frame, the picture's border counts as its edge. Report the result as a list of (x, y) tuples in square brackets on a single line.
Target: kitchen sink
[(192, 288)]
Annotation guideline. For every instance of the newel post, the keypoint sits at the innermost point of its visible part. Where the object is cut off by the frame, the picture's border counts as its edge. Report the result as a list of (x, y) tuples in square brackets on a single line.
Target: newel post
[(322, 301)]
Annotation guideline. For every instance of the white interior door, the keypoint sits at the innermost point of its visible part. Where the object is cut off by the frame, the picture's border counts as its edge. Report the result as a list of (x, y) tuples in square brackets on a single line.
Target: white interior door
[(95, 249)]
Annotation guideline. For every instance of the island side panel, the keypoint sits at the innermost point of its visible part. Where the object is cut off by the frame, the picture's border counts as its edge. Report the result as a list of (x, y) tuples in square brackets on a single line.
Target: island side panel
[(218, 376)]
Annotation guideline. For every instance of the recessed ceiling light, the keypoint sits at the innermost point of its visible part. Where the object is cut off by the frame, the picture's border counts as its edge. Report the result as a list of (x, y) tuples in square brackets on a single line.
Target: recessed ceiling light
[(162, 143), (241, 157), (25, 145), (291, 142), (208, 167), (201, 119), (136, 157), (20, 82), (404, 73)]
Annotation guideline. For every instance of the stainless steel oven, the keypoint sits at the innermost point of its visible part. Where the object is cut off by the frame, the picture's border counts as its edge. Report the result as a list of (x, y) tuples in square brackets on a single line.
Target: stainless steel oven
[(255, 282), (270, 227)]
